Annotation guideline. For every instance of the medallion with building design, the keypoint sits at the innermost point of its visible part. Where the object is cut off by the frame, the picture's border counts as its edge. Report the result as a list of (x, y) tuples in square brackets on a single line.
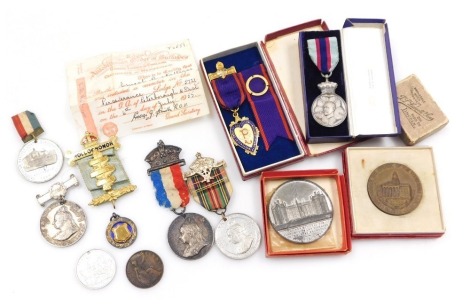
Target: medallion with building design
[(300, 211), (394, 189)]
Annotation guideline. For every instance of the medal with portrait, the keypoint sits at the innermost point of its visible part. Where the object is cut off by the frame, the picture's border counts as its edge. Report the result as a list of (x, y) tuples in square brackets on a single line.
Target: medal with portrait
[(190, 235), (237, 235), (63, 222)]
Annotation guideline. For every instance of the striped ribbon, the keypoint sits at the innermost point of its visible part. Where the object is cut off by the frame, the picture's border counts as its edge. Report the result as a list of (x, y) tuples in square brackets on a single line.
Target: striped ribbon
[(27, 125), (324, 53), (213, 195), (170, 188)]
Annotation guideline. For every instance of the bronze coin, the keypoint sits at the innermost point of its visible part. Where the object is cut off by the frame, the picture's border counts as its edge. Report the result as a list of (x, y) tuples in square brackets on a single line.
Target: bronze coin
[(144, 269), (394, 189)]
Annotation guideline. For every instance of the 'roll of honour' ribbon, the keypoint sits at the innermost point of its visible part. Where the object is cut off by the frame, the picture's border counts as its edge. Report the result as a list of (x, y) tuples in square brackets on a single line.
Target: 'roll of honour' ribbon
[(265, 105)]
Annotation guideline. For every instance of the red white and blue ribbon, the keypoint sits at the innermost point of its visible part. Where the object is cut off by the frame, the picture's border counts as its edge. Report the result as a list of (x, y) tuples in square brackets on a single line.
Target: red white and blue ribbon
[(27, 125), (170, 188), (324, 53)]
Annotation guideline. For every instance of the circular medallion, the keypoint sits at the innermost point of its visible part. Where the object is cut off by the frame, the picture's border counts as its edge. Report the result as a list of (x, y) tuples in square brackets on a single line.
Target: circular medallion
[(96, 269), (63, 224), (121, 232), (40, 160), (394, 189), (238, 236), (144, 269), (329, 110), (190, 236), (300, 211)]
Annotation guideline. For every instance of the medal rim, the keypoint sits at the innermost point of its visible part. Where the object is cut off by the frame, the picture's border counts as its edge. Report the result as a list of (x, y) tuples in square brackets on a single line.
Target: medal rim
[(130, 241), (327, 197), (252, 250), (173, 245), (54, 168), (142, 285), (76, 237)]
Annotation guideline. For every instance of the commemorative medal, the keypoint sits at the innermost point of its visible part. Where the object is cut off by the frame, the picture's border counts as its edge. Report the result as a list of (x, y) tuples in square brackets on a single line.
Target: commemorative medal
[(40, 159), (190, 235), (63, 222), (96, 269), (328, 109), (230, 93), (102, 170), (300, 211), (237, 235), (395, 189)]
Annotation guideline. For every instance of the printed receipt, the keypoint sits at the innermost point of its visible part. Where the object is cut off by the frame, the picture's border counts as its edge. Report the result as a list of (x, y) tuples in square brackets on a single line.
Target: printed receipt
[(127, 92)]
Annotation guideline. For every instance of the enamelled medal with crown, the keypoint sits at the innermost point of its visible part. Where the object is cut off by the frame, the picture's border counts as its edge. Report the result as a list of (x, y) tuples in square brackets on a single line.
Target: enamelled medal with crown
[(237, 235), (105, 178), (328, 109), (190, 235)]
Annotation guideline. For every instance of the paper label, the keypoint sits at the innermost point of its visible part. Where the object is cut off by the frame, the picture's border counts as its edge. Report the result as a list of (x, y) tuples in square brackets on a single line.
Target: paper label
[(127, 92)]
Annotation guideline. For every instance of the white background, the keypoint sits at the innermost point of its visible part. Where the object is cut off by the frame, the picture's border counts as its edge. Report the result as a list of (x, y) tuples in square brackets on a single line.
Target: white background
[(38, 38)]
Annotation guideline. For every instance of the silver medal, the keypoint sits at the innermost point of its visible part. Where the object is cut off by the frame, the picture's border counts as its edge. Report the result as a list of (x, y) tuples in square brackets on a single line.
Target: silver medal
[(300, 211), (63, 222), (40, 160), (237, 236), (96, 269), (190, 236), (329, 109)]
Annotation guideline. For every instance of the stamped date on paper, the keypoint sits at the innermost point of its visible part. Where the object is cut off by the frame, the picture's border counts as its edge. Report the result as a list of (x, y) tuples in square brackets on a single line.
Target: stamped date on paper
[(127, 92)]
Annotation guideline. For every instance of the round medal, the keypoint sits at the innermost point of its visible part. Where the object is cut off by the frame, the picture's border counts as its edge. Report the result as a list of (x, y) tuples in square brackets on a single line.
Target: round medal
[(300, 211), (190, 236), (96, 269), (40, 160), (237, 236), (394, 189), (144, 269), (63, 224), (121, 232), (329, 109)]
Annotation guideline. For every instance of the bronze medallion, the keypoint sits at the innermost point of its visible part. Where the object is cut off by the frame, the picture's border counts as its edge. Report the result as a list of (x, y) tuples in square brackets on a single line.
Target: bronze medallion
[(144, 269), (394, 189)]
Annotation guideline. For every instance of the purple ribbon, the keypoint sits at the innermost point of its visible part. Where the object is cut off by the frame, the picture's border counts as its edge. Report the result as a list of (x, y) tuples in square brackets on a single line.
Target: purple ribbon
[(266, 107), (229, 91)]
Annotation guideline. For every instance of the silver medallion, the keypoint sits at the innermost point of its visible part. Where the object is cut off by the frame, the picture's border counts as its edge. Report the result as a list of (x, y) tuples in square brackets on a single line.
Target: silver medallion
[(190, 236), (300, 211), (329, 109), (63, 222), (121, 232), (40, 160), (237, 236), (96, 269)]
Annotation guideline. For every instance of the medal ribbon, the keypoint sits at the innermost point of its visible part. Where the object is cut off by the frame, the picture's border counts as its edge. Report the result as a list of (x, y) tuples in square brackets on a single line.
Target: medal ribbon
[(213, 195), (324, 53), (27, 125), (229, 91), (266, 108), (170, 188)]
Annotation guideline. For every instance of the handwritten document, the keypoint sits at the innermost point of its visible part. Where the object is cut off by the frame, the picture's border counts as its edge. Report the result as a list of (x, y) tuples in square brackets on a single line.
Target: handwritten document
[(127, 92)]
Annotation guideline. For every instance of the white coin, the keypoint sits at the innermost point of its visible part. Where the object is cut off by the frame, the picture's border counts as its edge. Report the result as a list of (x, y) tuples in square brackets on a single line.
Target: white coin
[(96, 269)]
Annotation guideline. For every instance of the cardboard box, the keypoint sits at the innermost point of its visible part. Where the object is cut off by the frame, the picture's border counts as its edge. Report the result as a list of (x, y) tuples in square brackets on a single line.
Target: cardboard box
[(365, 81), (307, 233), (393, 192)]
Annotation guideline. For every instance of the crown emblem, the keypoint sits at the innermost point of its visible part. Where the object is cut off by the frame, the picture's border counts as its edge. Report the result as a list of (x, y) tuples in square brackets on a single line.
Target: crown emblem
[(163, 156)]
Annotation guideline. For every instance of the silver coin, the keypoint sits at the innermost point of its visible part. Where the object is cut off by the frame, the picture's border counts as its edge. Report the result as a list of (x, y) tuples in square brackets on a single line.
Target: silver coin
[(238, 236), (40, 160), (96, 269), (63, 224), (329, 109), (190, 236), (300, 211)]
